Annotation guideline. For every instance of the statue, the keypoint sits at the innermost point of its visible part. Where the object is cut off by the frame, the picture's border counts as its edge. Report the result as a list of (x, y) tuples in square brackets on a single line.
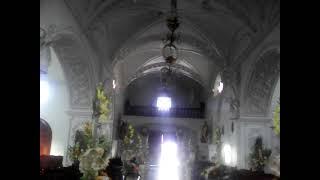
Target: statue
[(123, 129), (204, 133), (234, 108)]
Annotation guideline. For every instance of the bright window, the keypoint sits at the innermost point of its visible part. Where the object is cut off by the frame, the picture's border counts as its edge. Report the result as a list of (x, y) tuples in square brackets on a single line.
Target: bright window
[(164, 103)]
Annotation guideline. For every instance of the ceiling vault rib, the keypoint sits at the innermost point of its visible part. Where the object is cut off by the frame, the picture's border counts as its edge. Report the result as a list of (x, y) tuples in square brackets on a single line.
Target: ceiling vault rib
[(252, 47)]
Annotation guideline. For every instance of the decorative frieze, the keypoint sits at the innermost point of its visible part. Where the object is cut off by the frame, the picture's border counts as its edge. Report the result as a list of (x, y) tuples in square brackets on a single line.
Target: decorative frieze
[(261, 83), (76, 69), (231, 78), (79, 85), (183, 69)]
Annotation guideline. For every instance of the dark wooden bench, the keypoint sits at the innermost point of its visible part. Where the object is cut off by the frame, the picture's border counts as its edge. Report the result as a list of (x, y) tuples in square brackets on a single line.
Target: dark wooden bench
[(51, 169)]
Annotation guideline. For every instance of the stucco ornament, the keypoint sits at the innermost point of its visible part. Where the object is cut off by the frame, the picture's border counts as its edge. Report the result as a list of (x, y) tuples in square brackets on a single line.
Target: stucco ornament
[(231, 79), (261, 82)]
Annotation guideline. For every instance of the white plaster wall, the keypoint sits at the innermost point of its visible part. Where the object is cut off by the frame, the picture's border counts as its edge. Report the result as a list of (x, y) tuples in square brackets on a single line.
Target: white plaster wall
[(275, 98), (270, 42), (56, 12), (54, 110), (248, 128), (212, 105)]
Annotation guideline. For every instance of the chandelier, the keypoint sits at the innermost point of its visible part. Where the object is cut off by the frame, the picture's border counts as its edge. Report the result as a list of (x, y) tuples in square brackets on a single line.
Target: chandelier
[(170, 50)]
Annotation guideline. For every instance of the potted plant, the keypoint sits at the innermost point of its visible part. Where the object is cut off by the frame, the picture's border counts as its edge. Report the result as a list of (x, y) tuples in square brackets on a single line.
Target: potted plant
[(259, 156)]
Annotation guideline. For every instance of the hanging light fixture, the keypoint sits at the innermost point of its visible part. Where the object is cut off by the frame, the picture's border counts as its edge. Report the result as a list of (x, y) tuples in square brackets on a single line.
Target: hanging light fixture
[(170, 50)]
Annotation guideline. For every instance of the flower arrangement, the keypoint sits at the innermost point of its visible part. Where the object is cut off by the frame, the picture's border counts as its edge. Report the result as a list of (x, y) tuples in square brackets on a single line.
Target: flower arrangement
[(83, 141), (217, 136), (218, 143), (88, 152), (218, 172), (101, 105), (275, 165), (206, 172), (90, 149), (132, 140), (259, 156), (132, 147), (276, 119), (91, 162)]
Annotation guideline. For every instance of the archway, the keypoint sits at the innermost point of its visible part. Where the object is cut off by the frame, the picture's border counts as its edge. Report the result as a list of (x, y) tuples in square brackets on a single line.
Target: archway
[(71, 78), (262, 80), (45, 137), (258, 91)]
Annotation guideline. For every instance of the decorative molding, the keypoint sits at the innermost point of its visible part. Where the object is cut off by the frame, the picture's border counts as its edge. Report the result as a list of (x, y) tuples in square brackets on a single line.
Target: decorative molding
[(241, 40), (207, 47), (260, 85), (231, 77), (77, 69), (78, 80), (75, 122), (255, 14), (177, 67), (254, 119), (250, 129), (84, 112)]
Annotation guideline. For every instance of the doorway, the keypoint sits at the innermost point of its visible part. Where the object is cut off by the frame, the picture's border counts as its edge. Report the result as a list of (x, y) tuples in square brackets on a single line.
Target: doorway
[(45, 137)]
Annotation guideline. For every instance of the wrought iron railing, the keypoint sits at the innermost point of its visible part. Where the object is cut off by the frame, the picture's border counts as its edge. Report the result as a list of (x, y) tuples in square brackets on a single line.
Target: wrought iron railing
[(173, 112)]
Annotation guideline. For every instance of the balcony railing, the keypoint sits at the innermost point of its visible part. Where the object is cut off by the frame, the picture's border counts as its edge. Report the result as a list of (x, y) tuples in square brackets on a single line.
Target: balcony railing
[(173, 112)]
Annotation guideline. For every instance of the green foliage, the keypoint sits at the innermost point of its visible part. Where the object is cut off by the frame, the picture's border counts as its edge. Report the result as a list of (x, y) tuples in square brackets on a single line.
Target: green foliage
[(89, 175), (84, 141), (101, 105), (91, 162), (105, 145), (259, 155), (91, 151), (218, 142), (276, 120), (217, 136), (132, 145)]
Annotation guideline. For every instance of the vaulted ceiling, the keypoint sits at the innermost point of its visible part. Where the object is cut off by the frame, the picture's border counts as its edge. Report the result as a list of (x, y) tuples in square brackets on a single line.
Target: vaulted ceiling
[(214, 33)]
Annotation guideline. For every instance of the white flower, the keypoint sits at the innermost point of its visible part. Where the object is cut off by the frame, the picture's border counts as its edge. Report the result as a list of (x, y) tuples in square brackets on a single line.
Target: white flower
[(92, 159)]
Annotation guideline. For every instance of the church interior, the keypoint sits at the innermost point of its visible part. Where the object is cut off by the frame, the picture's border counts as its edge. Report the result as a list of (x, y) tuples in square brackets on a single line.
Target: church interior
[(160, 89)]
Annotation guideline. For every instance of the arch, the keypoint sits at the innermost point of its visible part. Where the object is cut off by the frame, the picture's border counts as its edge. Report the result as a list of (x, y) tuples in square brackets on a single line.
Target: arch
[(198, 47), (261, 81), (249, 62), (45, 137), (77, 67), (154, 68), (139, 39), (274, 98)]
